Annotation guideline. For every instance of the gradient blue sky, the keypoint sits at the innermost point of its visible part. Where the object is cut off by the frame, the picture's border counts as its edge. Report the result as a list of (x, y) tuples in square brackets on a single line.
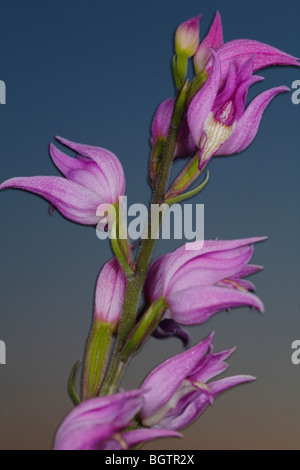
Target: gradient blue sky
[(94, 72)]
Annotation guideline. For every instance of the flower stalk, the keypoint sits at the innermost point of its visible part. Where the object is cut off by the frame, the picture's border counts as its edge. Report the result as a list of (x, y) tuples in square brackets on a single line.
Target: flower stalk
[(136, 282)]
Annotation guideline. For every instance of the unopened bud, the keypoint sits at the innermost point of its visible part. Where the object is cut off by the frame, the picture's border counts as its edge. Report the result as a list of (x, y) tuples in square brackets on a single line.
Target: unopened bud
[(187, 37)]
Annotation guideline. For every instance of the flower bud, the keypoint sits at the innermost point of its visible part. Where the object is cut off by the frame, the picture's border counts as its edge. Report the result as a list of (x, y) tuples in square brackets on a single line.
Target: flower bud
[(187, 37), (110, 293)]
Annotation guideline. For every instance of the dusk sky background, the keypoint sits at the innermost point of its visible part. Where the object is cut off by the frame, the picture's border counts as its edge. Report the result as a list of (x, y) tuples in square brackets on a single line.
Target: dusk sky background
[(94, 72)]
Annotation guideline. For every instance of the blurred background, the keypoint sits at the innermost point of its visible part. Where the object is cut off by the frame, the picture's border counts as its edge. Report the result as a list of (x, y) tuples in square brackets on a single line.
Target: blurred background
[(94, 72)]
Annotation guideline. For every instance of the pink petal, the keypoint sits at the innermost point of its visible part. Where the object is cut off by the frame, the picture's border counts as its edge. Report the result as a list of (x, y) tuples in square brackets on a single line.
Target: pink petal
[(247, 126), (107, 162), (247, 271), (74, 201), (196, 407), (83, 171), (213, 40), (163, 381), (241, 50), (194, 306), (202, 103), (209, 269), (179, 257)]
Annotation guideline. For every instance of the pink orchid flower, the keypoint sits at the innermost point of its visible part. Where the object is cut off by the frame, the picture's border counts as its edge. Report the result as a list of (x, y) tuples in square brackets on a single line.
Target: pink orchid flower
[(196, 284), (95, 177), (178, 391), (102, 424), (217, 118)]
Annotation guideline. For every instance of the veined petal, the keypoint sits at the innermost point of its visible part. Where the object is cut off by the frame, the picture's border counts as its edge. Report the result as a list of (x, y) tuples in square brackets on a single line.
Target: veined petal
[(107, 162), (240, 284), (209, 269), (96, 420), (200, 403), (83, 171), (195, 306), (74, 201), (107, 406), (247, 126), (202, 103), (241, 50), (168, 376), (222, 385), (241, 95), (170, 263)]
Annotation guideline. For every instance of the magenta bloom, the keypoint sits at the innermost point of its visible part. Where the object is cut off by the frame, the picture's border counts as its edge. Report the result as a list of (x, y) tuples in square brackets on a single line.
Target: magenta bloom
[(177, 392), (199, 283), (217, 118), (110, 293), (101, 424), (95, 177)]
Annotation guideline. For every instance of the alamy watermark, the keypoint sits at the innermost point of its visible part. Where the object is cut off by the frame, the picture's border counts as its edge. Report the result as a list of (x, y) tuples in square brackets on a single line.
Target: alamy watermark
[(2, 353), (296, 94), (296, 354), (2, 92), (177, 222)]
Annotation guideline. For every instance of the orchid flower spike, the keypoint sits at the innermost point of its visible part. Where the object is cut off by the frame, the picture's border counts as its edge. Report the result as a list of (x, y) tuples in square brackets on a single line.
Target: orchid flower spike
[(93, 178), (104, 424), (217, 118), (177, 392), (196, 284)]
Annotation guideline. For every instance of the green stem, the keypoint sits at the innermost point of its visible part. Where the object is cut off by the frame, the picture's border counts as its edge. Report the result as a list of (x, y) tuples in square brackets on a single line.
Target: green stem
[(144, 328), (136, 282)]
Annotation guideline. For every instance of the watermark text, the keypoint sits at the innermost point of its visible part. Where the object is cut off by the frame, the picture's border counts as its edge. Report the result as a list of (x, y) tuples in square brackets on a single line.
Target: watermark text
[(2, 92), (296, 354), (2, 353), (177, 222), (296, 94)]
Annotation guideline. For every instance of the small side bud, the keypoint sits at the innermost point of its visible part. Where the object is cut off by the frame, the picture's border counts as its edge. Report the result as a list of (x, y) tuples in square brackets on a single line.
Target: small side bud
[(186, 44), (187, 37)]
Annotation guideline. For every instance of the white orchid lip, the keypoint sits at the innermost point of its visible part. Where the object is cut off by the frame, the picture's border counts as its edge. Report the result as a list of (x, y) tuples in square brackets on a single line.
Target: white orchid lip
[(215, 134)]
